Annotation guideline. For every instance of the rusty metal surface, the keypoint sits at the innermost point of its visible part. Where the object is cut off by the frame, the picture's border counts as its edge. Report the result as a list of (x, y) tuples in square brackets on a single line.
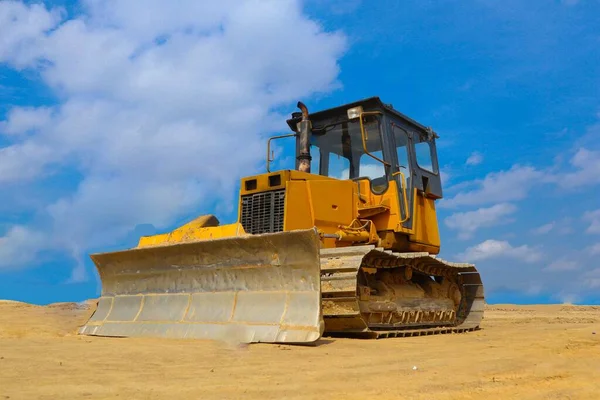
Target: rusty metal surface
[(257, 288)]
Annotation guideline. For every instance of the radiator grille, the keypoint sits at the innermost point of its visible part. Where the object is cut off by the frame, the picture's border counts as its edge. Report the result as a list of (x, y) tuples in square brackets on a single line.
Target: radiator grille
[(263, 212)]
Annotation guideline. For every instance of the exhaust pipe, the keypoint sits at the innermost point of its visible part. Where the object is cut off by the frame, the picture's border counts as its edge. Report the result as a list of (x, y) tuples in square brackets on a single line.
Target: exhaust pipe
[(303, 140)]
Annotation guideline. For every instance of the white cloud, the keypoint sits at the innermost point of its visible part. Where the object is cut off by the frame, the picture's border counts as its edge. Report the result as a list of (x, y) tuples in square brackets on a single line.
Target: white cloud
[(475, 158), (445, 177), (587, 170), (544, 229), (24, 119), (562, 264), (466, 223), (592, 218), (162, 108), (502, 186), (500, 249), (516, 183), (371, 171), (24, 161), (21, 30), (18, 247)]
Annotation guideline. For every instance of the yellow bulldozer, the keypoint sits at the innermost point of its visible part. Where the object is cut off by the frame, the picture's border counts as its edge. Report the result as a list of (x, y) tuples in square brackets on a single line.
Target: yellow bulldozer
[(343, 245)]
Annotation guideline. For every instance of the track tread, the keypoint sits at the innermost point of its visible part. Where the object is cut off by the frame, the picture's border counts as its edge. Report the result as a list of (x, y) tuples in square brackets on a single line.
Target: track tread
[(350, 259)]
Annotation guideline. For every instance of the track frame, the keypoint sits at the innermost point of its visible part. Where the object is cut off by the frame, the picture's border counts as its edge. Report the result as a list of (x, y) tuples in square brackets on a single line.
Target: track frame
[(340, 295)]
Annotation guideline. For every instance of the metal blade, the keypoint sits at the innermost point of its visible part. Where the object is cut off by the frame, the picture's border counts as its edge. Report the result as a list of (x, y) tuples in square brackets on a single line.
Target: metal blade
[(256, 288)]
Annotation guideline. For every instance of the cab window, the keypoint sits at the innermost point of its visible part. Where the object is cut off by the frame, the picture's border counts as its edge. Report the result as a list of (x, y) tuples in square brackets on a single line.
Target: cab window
[(424, 158), (315, 162), (341, 145), (370, 167), (401, 141), (339, 166)]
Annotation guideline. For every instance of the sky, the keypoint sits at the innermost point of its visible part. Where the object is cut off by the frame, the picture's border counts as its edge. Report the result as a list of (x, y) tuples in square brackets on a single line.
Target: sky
[(121, 119)]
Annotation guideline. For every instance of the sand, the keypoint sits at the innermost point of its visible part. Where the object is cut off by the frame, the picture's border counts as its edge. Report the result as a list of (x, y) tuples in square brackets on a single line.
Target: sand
[(522, 352)]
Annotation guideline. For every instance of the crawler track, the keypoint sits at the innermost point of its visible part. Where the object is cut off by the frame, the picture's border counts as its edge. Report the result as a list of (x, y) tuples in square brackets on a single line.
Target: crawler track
[(348, 309)]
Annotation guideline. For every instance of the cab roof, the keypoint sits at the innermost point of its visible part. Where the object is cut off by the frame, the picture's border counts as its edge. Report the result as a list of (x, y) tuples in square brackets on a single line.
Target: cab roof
[(368, 104)]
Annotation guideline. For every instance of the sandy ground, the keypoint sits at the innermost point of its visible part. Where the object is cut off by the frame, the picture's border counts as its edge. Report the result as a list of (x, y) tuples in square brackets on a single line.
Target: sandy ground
[(522, 352)]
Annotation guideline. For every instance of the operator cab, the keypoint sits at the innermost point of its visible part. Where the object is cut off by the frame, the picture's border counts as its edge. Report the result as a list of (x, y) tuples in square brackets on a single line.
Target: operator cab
[(370, 140)]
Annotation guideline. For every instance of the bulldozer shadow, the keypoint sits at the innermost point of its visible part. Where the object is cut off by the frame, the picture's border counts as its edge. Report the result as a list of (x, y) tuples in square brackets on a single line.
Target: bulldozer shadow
[(318, 343), (287, 346)]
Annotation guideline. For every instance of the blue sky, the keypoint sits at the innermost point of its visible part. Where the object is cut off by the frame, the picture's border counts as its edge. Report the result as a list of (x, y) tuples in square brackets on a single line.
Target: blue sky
[(120, 120)]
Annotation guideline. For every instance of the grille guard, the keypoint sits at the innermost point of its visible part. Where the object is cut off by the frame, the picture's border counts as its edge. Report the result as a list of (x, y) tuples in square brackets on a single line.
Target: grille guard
[(263, 212)]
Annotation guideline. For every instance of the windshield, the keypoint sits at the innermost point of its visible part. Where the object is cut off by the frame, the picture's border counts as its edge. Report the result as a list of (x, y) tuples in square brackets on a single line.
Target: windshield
[(337, 150)]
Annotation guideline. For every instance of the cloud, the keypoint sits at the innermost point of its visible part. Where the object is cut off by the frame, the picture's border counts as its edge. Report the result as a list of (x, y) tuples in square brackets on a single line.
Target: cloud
[(562, 264), (516, 183), (592, 218), (564, 226), (25, 119), (594, 249), (500, 249), (22, 29), (24, 161), (18, 247), (445, 177), (469, 222), (474, 159), (544, 229), (371, 171), (161, 108), (587, 170), (502, 186)]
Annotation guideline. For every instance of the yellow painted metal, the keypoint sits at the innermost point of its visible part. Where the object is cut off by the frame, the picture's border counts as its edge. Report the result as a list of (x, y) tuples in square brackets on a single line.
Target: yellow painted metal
[(206, 280), (370, 211), (261, 182), (404, 198), (333, 202), (389, 199), (318, 201), (325, 204), (202, 228), (298, 198), (425, 222), (359, 231), (255, 288)]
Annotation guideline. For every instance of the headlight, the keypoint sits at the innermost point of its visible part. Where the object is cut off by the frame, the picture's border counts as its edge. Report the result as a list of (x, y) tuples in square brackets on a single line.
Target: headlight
[(354, 112)]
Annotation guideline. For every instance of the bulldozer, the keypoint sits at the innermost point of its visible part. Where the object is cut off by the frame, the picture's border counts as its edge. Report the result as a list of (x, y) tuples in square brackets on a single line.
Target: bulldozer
[(343, 245)]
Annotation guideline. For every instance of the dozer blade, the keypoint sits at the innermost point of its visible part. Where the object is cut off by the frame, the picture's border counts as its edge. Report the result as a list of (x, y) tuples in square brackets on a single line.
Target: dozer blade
[(256, 288)]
